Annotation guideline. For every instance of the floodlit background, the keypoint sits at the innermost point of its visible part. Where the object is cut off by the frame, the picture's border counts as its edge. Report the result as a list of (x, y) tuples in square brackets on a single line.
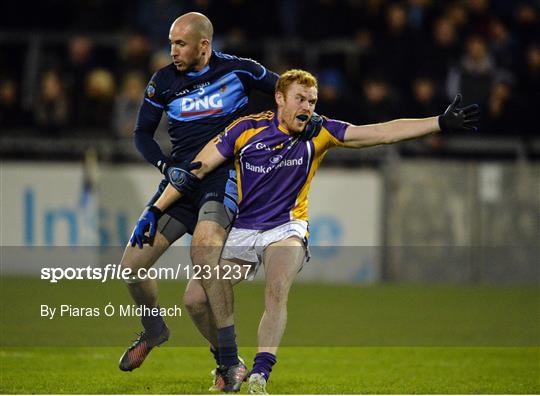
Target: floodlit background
[(465, 206)]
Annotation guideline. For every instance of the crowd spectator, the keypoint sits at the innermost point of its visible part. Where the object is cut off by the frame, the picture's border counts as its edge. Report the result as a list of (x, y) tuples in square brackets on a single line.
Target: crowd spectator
[(159, 60), (502, 110), (80, 61), (458, 15), (378, 102), (526, 22), (10, 110), (127, 104), (135, 56), (397, 42), (440, 51), (425, 100), (98, 99), (52, 107), (394, 58), (364, 61), (334, 100), (502, 45), (474, 75), (531, 74)]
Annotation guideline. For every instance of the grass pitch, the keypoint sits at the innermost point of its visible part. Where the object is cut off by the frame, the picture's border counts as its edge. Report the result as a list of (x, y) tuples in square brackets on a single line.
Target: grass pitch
[(176, 370), (339, 339)]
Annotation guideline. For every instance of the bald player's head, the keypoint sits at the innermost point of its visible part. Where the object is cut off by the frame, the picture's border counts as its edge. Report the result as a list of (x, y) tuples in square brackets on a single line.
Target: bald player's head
[(191, 41), (195, 22)]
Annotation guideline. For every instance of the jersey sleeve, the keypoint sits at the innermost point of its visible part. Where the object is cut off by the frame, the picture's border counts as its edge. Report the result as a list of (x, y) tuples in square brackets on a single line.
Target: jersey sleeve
[(155, 89), (228, 138), (336, 130), (257, 76), (148, 119)]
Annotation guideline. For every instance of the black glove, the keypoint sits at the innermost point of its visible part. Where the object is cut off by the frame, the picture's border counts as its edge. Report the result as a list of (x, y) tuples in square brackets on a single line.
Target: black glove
[(456, 119), (313, 127), (181, 178)]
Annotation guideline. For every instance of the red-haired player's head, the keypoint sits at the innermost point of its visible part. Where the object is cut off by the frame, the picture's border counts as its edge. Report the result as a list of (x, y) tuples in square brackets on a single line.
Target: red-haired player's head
[(296, 96)]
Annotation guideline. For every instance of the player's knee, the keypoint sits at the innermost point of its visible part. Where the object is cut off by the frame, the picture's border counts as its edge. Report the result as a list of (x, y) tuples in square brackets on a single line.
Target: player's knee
[(129, 260), (130, 272), (195, 301), (276, 296), (208, 233), (206, 249)]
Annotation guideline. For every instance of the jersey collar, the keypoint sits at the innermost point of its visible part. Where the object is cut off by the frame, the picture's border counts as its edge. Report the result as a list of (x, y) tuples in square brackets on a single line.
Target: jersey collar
[(198, 73)]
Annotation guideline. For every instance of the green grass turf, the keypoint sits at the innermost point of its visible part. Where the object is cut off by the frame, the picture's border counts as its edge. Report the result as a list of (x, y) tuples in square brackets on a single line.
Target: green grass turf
[(339, 339), (300, 370)]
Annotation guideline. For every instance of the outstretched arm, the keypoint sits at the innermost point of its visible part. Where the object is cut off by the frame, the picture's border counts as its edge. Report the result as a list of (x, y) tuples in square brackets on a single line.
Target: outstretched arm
[(389, 132), (453, 119)]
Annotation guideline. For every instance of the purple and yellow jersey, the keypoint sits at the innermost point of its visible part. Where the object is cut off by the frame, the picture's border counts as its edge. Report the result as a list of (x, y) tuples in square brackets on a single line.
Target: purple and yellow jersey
[(274, 169)]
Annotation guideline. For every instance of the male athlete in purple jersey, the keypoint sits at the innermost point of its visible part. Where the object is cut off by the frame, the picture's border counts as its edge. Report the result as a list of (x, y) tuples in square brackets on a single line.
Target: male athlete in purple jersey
[(202, 91), (275, 169)]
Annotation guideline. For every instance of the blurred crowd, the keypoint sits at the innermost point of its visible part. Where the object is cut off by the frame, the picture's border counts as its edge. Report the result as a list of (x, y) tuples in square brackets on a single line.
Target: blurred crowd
[(408, 58)]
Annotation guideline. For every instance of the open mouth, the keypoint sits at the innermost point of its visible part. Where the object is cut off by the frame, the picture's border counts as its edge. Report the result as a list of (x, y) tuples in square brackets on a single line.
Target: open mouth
[(302, 117)]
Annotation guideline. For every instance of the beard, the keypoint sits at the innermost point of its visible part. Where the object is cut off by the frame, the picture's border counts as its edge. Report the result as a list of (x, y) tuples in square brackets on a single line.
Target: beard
[(186, 67)]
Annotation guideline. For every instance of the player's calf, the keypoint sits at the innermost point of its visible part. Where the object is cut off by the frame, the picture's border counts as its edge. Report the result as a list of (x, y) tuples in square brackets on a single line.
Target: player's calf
[(155, 331), (144, 293)]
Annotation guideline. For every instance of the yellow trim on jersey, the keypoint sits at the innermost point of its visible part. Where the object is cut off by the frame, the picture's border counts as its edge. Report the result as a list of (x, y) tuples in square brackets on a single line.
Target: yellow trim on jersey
[(244, 137), (240, 142), (322, 142), (334, 141), (283, 129), (238, 179), (265, 115)]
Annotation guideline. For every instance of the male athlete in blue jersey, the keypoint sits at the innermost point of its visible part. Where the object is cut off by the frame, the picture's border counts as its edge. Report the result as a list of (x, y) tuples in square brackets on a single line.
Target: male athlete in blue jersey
[(202, 91), (274, 172)]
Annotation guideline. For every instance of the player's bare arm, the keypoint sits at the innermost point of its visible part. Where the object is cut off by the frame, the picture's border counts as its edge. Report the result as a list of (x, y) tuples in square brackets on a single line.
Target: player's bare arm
[(453, 119), (209, 158), (358, 136)]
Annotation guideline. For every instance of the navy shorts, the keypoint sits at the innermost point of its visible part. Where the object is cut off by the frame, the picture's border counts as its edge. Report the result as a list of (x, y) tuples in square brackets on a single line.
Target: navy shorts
[(220, 186)]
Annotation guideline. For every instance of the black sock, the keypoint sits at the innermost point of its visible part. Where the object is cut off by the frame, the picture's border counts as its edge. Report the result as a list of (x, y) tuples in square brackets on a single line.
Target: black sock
[(227, 348), (153, 324), (215, 354)]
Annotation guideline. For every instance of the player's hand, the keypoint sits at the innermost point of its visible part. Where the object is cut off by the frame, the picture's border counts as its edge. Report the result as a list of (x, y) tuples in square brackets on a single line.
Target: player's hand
[(181, 178), (460, 119), (146, 223), (163, 166), (313, 127)]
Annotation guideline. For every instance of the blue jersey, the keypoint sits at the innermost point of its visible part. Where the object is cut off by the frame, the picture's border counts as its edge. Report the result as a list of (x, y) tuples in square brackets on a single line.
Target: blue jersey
[(199, 105)]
